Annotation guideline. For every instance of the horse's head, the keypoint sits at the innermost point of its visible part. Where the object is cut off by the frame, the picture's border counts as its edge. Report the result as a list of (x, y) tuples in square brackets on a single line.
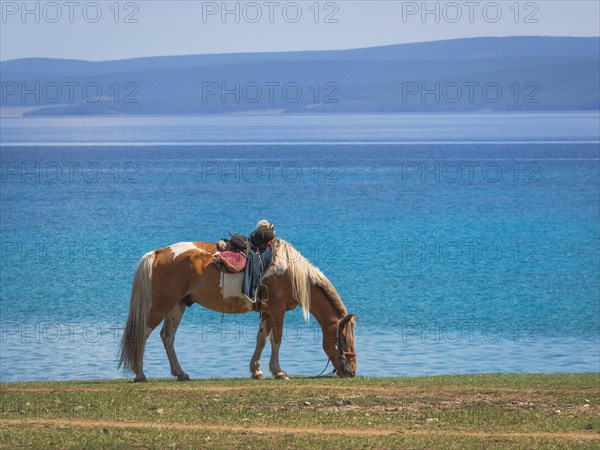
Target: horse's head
[(345, 357)]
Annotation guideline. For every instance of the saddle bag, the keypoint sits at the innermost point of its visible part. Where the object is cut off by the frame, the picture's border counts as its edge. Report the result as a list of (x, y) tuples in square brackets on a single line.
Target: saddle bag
[(239, 243), (262, 236)]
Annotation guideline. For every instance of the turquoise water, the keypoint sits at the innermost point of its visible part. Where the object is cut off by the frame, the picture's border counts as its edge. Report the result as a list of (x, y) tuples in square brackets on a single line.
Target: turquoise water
[(465, 243)]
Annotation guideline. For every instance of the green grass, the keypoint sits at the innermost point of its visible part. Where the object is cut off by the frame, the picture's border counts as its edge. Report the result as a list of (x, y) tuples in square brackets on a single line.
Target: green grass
[(467, 411)]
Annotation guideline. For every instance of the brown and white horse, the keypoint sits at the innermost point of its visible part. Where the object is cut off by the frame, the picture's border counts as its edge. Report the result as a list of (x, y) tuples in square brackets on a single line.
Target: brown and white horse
[(169, 278)]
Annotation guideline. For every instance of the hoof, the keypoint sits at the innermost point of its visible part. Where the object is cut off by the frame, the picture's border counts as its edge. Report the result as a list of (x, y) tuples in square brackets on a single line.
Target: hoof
[(141, 379), (258, 376), (183, 377), (282, 376)]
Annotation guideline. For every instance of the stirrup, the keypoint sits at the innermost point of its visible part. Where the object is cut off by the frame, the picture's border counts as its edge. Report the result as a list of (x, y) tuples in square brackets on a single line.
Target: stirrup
[(259, 297)]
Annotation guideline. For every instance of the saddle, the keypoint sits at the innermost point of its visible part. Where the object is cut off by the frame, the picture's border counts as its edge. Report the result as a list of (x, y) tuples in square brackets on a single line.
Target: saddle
[(230, 261), (233, 253), (239, 254)]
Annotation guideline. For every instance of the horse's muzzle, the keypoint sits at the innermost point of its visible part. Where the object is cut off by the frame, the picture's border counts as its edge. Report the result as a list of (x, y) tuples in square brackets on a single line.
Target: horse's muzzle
[(345, 374)]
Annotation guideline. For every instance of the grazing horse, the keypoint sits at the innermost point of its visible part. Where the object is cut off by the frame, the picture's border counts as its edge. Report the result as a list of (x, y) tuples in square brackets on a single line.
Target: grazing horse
[(169, 278)]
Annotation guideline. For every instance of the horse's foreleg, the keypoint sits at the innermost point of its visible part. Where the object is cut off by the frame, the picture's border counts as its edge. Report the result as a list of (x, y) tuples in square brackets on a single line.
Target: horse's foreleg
[(167, 334), (264, 330), (276, 337)]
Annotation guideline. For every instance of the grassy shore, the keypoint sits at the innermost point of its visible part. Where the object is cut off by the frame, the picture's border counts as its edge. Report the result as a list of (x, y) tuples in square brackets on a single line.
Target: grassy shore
[(468, 411)]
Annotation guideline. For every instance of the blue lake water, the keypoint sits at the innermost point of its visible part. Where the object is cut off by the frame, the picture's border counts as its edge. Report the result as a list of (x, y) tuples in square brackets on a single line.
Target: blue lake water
[(466, 243)]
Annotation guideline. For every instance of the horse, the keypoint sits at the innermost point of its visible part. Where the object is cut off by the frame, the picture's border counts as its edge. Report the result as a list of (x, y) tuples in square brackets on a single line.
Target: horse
[(169, 279)]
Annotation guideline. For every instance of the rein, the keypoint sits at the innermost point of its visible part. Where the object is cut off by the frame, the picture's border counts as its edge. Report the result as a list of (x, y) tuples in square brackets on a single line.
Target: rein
[(321, 374)]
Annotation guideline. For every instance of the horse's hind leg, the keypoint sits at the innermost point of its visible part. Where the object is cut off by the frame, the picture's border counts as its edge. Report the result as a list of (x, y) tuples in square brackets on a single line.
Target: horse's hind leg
[(138, 366), (167, 335), (264, 330)]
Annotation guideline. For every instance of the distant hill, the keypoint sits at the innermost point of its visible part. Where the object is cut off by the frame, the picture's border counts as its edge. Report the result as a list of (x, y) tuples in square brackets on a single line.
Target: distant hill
[(478, 74)]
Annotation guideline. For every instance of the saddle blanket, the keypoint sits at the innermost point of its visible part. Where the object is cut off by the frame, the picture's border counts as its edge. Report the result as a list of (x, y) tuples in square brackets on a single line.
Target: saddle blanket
[(234, 261)]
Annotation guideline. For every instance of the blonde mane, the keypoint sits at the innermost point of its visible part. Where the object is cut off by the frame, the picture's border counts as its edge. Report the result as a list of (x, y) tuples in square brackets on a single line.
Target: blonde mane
[(302, 274)]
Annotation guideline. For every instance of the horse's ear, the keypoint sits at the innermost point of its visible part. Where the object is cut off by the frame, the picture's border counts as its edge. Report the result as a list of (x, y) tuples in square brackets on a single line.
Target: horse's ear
[(347, 318)]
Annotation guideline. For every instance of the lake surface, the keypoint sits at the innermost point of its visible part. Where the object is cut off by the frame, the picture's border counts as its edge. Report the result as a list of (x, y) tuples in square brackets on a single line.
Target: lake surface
[(466, 243)]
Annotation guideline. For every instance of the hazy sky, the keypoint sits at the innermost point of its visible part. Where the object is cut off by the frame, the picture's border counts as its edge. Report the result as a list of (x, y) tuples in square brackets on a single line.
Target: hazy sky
[(104, 30)]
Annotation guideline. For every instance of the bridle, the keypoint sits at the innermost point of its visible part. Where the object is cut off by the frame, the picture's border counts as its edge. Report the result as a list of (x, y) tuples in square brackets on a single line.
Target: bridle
[(341, 345)]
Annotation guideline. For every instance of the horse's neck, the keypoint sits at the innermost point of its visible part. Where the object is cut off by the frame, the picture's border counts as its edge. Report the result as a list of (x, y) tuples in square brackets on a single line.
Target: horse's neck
[(323, 310)]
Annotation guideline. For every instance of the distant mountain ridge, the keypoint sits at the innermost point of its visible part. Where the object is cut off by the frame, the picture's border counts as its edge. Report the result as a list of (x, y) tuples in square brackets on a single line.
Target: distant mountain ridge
[(475, 74)]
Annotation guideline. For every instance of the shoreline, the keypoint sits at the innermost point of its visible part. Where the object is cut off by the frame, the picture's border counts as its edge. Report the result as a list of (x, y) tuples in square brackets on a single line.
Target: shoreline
[(472, 377)]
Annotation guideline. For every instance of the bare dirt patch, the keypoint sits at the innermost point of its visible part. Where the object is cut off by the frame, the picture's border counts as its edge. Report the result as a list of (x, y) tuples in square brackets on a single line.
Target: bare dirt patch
[(293, 430)]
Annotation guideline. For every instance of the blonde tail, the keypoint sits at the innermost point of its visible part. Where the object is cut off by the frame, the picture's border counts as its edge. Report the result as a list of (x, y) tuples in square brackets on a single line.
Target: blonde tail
[(133, 340)]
